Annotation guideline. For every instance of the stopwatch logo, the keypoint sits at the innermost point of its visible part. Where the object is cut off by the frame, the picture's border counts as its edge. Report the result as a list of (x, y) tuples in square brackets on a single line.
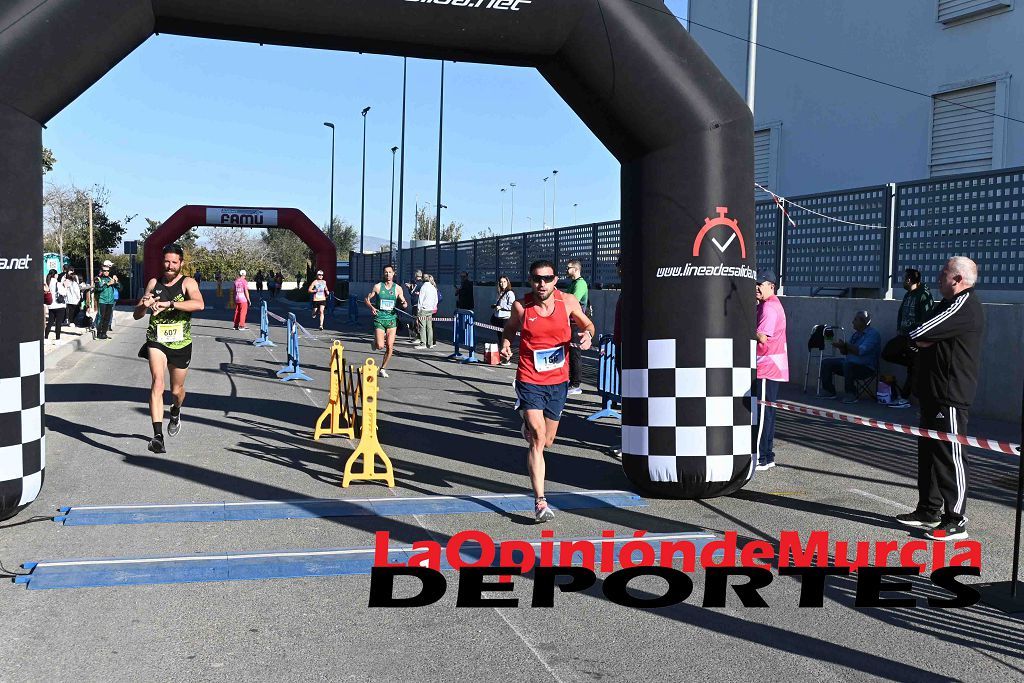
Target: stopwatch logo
[(710, 223)]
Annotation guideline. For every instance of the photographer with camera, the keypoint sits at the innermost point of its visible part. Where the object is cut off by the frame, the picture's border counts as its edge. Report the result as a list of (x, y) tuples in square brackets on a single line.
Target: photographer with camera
[(105, 285)]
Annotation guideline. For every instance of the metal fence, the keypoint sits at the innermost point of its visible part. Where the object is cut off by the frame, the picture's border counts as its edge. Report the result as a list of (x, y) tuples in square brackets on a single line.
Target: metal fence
[(595, 245), (837, 242)]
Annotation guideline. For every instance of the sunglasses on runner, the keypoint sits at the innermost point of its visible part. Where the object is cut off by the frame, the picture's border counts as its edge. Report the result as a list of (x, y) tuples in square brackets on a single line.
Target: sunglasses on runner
[(537, 279)]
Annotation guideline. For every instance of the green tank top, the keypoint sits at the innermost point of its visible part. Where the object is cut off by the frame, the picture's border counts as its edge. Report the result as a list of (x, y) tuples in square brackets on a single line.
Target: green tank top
[(170, 328), (387, 299)]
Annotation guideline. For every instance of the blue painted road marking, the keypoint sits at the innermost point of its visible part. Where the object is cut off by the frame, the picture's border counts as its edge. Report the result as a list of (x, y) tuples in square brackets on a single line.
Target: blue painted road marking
[(285, 564), (297, 509)]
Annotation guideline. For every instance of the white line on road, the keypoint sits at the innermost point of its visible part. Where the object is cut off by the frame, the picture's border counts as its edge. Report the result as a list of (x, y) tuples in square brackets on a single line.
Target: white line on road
[(880, 499)]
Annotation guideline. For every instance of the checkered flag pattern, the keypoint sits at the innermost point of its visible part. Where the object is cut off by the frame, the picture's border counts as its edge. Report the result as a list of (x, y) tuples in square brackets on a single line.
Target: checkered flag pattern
[(22, 440), (690, 424)]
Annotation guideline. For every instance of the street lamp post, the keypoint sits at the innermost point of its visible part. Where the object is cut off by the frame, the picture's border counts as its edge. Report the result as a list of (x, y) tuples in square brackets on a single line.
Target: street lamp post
[(362, 202), (391, 234), (544, 214), (530, 219), (330, 221), (440, 139), (574, 221), (512, 214), (401, 178), (554, 197), (502, 228)]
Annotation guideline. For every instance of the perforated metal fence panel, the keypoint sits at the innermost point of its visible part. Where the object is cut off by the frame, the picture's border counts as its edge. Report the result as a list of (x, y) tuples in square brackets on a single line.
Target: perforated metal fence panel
[(576, 242), (978, 216), (766, 226), (466, 261), (821, 252), (510, 257), (539, 245), (486, 261), (446, 271)]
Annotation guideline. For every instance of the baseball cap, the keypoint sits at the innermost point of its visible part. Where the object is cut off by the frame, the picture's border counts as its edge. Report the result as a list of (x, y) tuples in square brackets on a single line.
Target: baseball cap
[(242, 272), (767, 276), (108, 264)]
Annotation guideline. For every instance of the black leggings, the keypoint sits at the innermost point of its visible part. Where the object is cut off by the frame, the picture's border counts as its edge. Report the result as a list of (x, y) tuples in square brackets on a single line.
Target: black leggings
[(55, 319)]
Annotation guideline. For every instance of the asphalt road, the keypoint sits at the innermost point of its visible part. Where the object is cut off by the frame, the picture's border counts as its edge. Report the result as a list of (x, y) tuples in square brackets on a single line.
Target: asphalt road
[(449, 428)]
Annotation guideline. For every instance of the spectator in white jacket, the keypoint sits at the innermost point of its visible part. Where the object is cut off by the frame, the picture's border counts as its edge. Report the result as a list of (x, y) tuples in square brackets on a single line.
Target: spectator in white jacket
[(57, 305), (74, 294), (426, 306)]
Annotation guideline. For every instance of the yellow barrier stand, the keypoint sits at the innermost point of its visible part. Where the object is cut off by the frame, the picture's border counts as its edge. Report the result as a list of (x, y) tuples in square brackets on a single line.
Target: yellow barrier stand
[(369, 447), (342, 420)]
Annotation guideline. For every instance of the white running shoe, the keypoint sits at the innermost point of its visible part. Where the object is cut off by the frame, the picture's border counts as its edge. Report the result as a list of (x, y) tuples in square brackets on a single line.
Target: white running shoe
[(383, 373), (541, 510)]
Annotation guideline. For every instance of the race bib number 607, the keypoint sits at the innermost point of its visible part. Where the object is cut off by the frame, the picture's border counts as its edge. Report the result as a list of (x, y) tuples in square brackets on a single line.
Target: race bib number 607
[(170, 332)]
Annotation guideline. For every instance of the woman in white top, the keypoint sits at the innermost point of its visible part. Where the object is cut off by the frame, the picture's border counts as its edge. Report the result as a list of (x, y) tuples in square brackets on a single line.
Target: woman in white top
[(74, 294), (426, 306), (503, 307), (57, 308)]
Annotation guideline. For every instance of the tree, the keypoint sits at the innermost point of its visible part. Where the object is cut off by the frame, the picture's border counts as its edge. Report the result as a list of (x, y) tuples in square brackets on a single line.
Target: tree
[(287, 252), (189, 241), (231, 250), (48, 160), (426, 228), (344, 236), (66, 209), (486, 233)]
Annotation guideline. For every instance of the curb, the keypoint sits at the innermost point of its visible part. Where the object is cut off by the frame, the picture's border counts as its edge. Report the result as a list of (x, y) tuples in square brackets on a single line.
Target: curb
[(83, 343)]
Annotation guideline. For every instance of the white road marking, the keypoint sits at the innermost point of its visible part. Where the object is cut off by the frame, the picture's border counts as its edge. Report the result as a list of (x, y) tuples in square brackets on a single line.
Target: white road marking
[(880, 499)]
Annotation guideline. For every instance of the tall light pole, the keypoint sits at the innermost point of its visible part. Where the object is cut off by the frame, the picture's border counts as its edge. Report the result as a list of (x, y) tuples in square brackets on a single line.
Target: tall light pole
[(752, 56), (574, 221), (401, 176), (362, 202), (530, 219), (544, 215), (554, 197), (512, 215), (502, 228), (391, 234), (440, 140), (330, 221)]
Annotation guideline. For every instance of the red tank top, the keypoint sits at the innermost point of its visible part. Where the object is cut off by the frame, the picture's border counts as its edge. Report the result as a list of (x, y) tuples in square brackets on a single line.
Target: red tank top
[(544, 346)]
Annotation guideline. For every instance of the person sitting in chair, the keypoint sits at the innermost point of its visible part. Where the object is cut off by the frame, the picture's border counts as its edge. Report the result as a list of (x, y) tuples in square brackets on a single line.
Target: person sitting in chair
[(859, 361)]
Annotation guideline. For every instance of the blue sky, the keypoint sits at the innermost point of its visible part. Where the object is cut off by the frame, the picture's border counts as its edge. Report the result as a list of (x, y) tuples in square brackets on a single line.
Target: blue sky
[(189, 121)]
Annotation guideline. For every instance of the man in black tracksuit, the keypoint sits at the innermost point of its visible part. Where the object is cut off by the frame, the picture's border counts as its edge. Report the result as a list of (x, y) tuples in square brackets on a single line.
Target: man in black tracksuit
[(946, 382)]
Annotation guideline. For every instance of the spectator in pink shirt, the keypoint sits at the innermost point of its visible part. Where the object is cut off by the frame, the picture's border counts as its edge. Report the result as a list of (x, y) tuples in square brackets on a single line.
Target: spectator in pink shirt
[(772, 363), (242, 300)]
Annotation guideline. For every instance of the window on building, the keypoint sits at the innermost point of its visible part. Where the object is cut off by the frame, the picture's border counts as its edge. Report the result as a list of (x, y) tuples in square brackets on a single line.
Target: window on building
[(963, 130), (951, 11)]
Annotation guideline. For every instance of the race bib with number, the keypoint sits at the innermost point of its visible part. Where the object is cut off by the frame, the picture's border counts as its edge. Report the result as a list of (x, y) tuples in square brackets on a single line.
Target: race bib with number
[(387, 304), (170, 332), (546, 360)]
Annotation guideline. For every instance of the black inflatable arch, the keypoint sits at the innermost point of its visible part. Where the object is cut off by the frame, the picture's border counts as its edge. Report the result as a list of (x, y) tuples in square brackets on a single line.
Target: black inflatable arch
[(629, 70)]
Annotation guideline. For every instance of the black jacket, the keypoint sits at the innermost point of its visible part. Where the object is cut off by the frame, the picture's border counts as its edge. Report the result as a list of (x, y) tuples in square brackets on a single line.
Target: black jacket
[(914, 309), (464, 295), (947, 371)]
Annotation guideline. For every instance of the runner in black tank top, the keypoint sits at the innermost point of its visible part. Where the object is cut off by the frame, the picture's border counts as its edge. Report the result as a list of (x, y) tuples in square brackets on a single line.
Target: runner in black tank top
[(170, 302)]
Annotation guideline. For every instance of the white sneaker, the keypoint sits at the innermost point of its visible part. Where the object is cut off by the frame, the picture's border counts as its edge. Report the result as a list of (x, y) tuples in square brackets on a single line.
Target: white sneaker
[(383, 373), (574, 391), (419, 346), (541, 510), (765, 466)]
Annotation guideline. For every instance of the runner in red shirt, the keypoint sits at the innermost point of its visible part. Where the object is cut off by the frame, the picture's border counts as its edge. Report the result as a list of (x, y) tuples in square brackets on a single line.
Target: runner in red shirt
[(542, 380)]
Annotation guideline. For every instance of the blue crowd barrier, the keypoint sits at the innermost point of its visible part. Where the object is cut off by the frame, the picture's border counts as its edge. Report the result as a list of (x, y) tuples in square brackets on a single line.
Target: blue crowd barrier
[(608, 381), (353, 309), (293, 370), (462, 336), (264, 339)]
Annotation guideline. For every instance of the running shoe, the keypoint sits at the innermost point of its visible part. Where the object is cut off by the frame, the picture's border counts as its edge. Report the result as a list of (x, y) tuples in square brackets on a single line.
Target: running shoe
[(948, 530), (828, 397), (573, 391), (617, 453), (541, 510), (157, 445), (419, 346), (900, 403), (919, 519), (762, 466), (850, 400), (174, 425), (383, 373)]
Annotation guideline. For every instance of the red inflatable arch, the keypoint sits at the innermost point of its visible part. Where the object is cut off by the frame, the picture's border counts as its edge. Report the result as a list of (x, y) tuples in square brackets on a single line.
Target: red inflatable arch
[(192, 215)]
